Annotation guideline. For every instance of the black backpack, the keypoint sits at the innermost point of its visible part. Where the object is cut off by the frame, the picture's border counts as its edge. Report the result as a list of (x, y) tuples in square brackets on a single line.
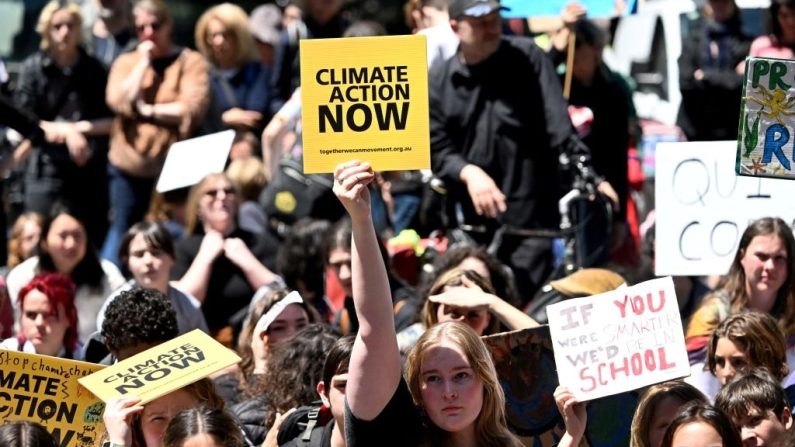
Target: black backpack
[(304, 427), (292, 195)]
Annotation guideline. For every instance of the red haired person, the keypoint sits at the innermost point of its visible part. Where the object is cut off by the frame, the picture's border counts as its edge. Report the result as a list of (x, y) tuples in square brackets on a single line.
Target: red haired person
[(48, 318)]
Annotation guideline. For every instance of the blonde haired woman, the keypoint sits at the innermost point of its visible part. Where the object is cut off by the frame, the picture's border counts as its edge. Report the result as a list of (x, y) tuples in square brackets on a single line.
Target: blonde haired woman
[(239, 82), (449, 373), (64, 86)]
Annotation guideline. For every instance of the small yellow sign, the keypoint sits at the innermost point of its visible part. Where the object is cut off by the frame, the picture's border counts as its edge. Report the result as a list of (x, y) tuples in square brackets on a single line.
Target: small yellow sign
[(162, 369), (45, 390), (365, 98)]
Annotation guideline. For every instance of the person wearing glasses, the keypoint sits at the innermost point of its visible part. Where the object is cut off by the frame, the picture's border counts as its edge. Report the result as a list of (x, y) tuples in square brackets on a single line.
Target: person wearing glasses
[(218, 262), (159, 94)]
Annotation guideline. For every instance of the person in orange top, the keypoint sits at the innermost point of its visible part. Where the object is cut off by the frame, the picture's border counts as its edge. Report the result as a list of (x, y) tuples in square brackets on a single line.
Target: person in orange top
[(160, 94)]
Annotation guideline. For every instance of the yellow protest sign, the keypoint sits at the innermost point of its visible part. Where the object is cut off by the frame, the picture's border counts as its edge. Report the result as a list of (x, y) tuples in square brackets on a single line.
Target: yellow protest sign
[(365, 98), (45, 390), (162, 369)]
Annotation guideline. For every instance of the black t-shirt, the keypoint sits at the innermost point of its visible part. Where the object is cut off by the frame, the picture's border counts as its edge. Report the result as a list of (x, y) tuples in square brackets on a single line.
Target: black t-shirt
[(398, 425), (228, 290)]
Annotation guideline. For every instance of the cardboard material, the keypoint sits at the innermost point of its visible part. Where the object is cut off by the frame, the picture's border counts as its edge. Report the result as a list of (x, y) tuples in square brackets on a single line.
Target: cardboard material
[(703, 207), (764, 144), (619, 341), (45, 390), (162, 369), (365, 98), (189, 161)]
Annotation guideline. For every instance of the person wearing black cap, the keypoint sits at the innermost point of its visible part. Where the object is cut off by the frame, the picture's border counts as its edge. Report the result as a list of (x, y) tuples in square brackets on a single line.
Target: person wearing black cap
[(498, 123)]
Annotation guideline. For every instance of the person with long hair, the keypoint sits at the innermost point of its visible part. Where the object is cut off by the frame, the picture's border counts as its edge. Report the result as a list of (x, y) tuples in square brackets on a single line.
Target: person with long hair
[(465, 296), (761, 279), (701, 425), (65, 248), (219, 263), (658, 406), (238, 81), (780, 43), (24, 238), (48, 318), (274, 318), (745, 342), (291, 380), (449, 373), (63, 85)]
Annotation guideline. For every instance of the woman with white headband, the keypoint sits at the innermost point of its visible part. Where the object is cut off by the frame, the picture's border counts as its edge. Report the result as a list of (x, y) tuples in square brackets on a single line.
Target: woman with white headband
[(274, 318)]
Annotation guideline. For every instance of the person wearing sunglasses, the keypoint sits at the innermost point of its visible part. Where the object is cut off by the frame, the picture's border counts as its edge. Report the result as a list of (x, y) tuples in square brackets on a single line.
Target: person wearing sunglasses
[(160, 94), (218, 262)]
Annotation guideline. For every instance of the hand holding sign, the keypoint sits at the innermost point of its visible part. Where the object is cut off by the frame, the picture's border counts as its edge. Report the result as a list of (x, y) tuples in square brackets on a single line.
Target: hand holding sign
[(350, 186), (574, 416), (118, 417), (619, 341)]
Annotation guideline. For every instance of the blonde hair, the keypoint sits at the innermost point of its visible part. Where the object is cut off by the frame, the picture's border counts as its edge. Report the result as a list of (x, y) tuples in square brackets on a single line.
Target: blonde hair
[(15, 255), (647, 406), (249, 175), (45, 20), (192, 218), (235, 19), (491, 428), (453, 278)]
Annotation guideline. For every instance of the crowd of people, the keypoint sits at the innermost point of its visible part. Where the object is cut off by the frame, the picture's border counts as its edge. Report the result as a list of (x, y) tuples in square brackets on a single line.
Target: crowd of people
[(347, 337)]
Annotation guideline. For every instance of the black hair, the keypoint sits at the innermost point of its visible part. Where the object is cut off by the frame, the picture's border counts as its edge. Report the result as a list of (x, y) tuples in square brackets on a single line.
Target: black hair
[(25, 434), (217, 423), (138, 316), (589, 34), (337, 359), (155, 235), (302, 257), (89, 270), (775, 7), (296, 371)]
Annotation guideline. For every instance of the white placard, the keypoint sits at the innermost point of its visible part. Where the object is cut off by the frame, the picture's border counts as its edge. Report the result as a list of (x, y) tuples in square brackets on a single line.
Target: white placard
[(619, 341), (703, 207), (189, 161)]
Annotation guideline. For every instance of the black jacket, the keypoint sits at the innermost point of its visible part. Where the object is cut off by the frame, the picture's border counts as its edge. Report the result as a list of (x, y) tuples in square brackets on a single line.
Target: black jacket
[(710, 108), (507, 116)]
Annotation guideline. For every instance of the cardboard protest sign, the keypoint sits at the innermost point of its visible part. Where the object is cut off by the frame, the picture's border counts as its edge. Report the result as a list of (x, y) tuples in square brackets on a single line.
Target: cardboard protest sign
[(189, 161), (764, 144), (525, 366), (703, 207), (45, 390), (162, 369), (365, 98), (619, 341)]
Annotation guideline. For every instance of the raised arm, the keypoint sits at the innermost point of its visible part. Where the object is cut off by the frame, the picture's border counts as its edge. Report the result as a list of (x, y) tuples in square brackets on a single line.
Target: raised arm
[(374, 371)]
